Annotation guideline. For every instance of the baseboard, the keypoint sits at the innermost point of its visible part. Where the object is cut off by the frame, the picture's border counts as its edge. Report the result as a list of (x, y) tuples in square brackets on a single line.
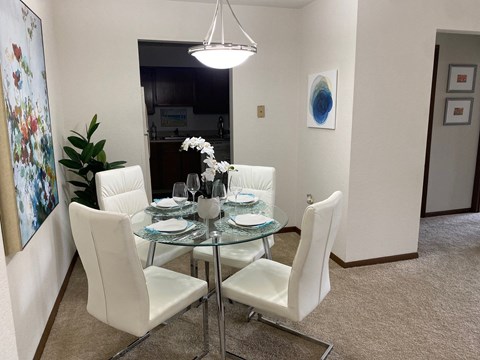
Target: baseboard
[(375, 261), (448, 212), (381, 260), (53, 314)]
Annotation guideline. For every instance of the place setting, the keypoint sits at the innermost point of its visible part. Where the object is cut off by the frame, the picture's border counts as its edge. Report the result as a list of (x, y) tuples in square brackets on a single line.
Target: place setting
[(248, 222), (178, 204)]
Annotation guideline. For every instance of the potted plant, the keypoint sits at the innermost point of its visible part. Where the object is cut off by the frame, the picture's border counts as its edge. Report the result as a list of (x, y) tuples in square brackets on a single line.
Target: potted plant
[(85, 159)]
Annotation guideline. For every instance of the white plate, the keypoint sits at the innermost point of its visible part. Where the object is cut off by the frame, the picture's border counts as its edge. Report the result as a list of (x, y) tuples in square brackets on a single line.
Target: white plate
[(250, 219), (167, 203), (168, 226), (243, 199)]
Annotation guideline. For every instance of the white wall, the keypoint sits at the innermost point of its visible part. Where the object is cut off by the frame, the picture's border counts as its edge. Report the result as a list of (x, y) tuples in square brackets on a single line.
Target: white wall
[(393, 73), (8, 345), (36, 274), (100, 73), (453, 154), (327, 37)]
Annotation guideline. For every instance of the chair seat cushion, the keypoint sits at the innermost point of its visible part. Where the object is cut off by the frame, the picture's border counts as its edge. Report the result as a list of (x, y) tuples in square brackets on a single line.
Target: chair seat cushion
[(163, 253), (237, 256), (262, 285), (170, 292)]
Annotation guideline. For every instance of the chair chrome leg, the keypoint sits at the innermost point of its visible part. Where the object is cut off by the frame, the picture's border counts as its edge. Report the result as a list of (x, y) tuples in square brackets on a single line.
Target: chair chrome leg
[(266, 248), (206, 347), (130, 347), (193, 266), (297, 333), (207, 273)]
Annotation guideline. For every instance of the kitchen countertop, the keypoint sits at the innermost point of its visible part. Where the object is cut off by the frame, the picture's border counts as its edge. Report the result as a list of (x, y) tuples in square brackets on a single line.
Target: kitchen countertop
[(181, 139)]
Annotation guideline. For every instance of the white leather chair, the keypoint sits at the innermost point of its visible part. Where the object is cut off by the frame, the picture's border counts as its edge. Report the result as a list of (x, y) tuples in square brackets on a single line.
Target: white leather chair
[(258, 180), (292, 292), (123, 191), (121, 293)]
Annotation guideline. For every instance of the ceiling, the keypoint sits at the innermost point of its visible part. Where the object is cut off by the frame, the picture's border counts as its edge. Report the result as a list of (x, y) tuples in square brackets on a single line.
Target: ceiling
[(293, 4)]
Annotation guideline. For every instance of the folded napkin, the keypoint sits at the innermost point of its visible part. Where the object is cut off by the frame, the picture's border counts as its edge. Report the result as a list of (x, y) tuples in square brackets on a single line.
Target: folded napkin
[(164, 203), (251, 220), (243, 198), (170, 225)]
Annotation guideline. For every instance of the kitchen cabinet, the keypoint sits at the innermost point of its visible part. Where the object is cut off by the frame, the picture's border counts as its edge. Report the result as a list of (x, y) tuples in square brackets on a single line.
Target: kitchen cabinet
[(204, 89), (211, 91), (169, 165), (147, 81), (174, 86)]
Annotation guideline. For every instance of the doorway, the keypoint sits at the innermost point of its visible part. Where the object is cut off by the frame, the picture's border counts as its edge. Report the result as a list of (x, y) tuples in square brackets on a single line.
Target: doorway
[(452, 169), (183, 99)]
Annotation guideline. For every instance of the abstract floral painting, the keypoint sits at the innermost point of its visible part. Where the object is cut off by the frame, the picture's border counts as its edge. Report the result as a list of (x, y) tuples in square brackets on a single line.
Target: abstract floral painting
[(322, 94), (26, 118)]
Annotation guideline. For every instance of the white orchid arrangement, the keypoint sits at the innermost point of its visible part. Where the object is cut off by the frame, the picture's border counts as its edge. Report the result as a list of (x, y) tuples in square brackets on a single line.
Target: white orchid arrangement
[(213, 166)]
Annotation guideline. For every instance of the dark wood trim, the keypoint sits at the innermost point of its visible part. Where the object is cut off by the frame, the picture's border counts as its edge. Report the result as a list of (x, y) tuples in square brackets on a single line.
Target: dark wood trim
[(53, 314), (375, 261), (448, 212), (345, 265), (429, 133), (476, 183), (290, 229)]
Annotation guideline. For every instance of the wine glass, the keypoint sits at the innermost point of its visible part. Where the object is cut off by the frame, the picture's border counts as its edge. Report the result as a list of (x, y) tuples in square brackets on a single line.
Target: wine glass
[(218, 190), (235, 188), (193, 184), (180, 194)]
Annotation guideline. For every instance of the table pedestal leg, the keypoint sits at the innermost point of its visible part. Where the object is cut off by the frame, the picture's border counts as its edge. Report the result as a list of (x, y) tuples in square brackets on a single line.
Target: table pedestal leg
[(218, 290)]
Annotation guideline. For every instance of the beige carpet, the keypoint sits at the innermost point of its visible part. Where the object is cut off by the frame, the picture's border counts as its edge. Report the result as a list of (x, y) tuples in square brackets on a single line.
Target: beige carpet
[(428, 308)]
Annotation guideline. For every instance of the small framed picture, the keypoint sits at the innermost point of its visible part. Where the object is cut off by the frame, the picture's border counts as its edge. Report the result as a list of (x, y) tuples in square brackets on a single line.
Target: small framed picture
[(461, 78), (458, 111)]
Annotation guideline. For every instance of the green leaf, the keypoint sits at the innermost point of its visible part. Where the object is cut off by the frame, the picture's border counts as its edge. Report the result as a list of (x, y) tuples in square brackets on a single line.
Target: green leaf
[(98, 147), (92, 130), (117, 164), (87, 153), (80, 135), (93, 126), (102, 157), (84, 171), (70, 164), (78, 142), (78, 183), (72, 154)]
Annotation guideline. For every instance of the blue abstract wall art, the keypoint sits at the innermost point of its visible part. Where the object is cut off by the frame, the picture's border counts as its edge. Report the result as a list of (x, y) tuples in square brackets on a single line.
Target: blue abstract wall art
[(322, 89)]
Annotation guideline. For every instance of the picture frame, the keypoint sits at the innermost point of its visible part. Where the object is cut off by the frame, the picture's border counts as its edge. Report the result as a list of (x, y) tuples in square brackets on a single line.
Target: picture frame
[(322, 100), (458, 111), (461, 78), (28, 182)]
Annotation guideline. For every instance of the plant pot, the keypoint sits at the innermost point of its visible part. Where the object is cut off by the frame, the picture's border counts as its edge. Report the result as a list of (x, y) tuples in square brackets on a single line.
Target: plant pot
[(208, 208)]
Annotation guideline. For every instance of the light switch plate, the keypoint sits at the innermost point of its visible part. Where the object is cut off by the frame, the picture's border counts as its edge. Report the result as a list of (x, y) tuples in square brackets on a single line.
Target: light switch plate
[(260, 111)]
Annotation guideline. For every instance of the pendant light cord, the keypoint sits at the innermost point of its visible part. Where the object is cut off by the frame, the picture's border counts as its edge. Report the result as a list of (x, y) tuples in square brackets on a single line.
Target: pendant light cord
[(219, 7)]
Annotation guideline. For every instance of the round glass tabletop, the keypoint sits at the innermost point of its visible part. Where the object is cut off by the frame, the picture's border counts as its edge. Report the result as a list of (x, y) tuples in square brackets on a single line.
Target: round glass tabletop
[(272, 219)]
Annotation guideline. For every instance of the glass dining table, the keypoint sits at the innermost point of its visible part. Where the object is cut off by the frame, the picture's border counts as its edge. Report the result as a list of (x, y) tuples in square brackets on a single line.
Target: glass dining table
[(215, 233)]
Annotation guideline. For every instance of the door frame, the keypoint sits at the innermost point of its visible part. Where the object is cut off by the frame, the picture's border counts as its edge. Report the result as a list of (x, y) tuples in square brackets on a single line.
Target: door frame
[(475, 203)]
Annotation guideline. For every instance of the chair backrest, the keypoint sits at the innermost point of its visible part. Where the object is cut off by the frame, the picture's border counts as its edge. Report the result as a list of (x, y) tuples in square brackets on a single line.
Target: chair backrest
[(259, 180), (121, 190), (309, 279), (117, 290)]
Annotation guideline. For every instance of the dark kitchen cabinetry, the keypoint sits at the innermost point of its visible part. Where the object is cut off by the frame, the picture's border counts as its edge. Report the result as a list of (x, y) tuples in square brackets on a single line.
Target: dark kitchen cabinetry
[(174, 86), (211, 91), (204, 89), (169, 165), (147, 80)]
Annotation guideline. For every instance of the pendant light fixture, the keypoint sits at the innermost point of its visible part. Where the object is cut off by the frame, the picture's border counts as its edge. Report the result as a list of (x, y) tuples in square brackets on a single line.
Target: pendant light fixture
[(222, 55)]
